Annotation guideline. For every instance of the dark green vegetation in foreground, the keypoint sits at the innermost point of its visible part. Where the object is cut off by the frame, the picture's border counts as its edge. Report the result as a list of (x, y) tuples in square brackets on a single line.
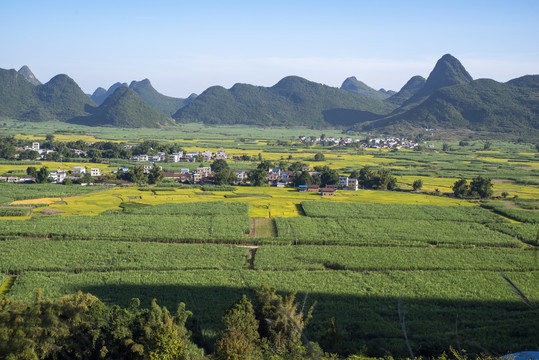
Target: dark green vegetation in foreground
[(457, 283)]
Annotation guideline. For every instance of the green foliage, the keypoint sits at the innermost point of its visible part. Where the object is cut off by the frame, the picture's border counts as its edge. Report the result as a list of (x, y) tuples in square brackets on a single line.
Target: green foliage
[(257, 177), (42, 175), (225, 177), (319, 157), (80, 326), (281, 319), (218, 165), (240, 338), (479, 187), (417, 185), (156, 175)]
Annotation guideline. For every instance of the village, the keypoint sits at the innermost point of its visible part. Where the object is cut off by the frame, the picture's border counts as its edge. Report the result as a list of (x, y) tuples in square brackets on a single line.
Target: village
[(373, 143), (202, 175)]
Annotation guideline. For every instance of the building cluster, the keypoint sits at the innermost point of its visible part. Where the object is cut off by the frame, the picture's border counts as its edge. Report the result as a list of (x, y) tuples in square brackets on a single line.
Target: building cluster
[(374, 143), (35, 147), (181, 156)]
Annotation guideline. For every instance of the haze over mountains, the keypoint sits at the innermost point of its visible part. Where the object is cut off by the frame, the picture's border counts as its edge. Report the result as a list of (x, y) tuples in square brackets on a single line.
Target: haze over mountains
[(448, 99)]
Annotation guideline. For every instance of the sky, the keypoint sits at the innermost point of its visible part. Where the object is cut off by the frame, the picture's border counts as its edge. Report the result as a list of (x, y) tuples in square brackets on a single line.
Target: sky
[(184, 47)]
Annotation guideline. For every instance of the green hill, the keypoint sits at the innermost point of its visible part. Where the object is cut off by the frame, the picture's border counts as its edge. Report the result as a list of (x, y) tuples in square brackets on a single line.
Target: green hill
[(59, 99), (408, 90), (355, 86), (29, 75), (124, 108), (101, 94), (292, 101), (165, 104), (448, 71), (482, 105)]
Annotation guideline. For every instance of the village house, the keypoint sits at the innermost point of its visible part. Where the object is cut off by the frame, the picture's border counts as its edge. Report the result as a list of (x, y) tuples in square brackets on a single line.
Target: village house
[(95, 171), (79, 170), (221, 154), (327, 191)]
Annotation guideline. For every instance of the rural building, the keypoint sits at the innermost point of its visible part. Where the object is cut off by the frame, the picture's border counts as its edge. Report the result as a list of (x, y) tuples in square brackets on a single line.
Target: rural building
[(95, 171), (79, 170), (327, 191)]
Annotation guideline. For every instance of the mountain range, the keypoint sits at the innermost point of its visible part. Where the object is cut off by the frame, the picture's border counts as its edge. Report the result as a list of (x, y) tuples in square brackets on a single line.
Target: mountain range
[(448, 99)]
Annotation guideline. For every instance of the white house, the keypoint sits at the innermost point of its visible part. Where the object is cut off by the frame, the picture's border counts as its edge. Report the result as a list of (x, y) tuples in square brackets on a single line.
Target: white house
[(35, 146), (79, 170), (343, 181), (95, 171)]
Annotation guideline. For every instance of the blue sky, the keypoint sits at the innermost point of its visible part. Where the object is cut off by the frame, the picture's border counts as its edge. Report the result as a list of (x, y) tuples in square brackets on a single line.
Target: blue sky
[(187, 46)]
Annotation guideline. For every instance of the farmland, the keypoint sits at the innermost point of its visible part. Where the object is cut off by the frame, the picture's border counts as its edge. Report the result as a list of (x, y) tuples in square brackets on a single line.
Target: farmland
[(355, 254)]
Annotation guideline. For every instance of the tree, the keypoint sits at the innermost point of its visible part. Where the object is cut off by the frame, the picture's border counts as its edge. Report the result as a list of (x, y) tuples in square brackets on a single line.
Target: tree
[(240, 339), (225, 177), (280, 318), (257, 177), (319, 157), (296, 166), (31, 171), (328, 176), (136, 175), (481, 187), (156, 175), (303, 178), (265, 165), (487, 145), (42, 175), (460, 188), (384, 180), (218, 165), (417, 185)]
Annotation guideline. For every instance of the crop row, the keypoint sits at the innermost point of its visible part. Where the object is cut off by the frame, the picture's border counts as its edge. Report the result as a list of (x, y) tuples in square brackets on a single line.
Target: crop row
[(163, 228), (198, 208), (528, 233), (392, 232), (398, 211), (10, 211), (527, 216), (364, 304), (75, 256), (10, 192), (314, 257)]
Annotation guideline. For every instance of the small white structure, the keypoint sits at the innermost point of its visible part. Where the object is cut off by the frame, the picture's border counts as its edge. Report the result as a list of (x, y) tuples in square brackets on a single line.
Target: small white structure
[(95, 172), (35, 146), (79, 170), (343, 181)]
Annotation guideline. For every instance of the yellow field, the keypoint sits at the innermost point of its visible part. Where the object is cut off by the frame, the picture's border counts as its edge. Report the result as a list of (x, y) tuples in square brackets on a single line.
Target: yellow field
[(263, 202), (64, 138), (36, 201)]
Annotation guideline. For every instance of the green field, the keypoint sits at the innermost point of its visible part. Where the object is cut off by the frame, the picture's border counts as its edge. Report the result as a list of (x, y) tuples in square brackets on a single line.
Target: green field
[(355, 254)]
